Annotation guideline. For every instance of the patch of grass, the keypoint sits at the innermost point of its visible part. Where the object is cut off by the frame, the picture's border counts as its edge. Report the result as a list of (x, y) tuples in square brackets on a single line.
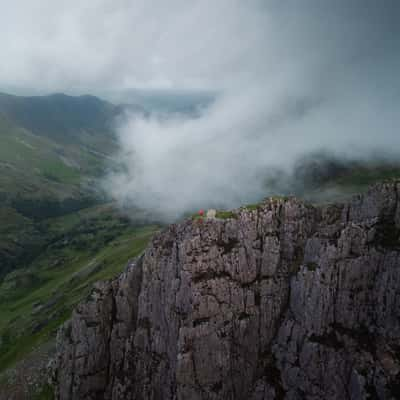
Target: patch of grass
[(279, 198), (365, 176), (252, 207), (220, 214), (226, 214), (59, 172), (312, 266), (46, 392)]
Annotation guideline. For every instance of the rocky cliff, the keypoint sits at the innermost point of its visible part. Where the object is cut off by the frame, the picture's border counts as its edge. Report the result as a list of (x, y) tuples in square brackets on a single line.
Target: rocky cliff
[(279, 301)]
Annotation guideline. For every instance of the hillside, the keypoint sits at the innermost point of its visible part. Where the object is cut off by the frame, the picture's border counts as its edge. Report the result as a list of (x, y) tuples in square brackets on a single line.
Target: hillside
[(59, 138), (323, 177), (51, 155), (59, 232), (282, 300), (36, 298), (81, 248), (60, 117)]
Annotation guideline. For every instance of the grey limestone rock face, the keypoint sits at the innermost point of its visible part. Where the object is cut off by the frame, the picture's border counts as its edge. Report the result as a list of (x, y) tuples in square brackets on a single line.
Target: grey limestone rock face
[(286, 301)]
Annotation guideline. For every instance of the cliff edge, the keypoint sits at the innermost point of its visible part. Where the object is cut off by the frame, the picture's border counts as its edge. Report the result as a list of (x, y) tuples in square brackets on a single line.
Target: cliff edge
[(279, 301)]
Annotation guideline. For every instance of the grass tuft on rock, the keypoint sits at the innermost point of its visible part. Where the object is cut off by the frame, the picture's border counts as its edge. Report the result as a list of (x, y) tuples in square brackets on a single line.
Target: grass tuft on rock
[(226, 215)]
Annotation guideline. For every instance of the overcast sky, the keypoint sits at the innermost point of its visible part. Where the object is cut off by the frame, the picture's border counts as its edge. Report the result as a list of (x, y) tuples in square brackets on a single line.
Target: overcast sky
[(294, 77), (97, 44)]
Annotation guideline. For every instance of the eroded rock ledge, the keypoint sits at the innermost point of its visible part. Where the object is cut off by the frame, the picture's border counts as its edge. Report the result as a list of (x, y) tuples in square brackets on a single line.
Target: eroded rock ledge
[(286, 301)]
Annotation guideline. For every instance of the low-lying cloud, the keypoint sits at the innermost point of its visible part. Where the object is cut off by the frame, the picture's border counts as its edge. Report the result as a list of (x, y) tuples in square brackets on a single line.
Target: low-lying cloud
[(301, 79), (291, 78)]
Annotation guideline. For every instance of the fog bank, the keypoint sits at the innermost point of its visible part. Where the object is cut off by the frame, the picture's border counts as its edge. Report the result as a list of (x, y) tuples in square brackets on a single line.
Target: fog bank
[(293, 80)]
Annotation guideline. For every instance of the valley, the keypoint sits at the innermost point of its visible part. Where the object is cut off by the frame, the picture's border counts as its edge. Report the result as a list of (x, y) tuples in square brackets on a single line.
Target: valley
[(200, 200)]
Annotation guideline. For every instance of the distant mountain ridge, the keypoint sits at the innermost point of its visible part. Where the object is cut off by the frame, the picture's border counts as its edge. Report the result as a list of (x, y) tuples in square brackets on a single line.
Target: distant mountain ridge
[(59, 116)]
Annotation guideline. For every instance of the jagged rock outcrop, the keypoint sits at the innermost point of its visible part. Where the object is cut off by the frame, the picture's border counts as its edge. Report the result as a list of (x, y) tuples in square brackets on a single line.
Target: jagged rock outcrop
[(286, 301)]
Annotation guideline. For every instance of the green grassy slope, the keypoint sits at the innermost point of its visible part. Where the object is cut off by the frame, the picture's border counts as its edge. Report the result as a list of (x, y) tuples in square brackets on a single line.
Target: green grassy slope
[(30, 167), (94, 244), (42, 178), (354, 180), (29, 162), (323, 177), (61, 117), (57, 233)]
